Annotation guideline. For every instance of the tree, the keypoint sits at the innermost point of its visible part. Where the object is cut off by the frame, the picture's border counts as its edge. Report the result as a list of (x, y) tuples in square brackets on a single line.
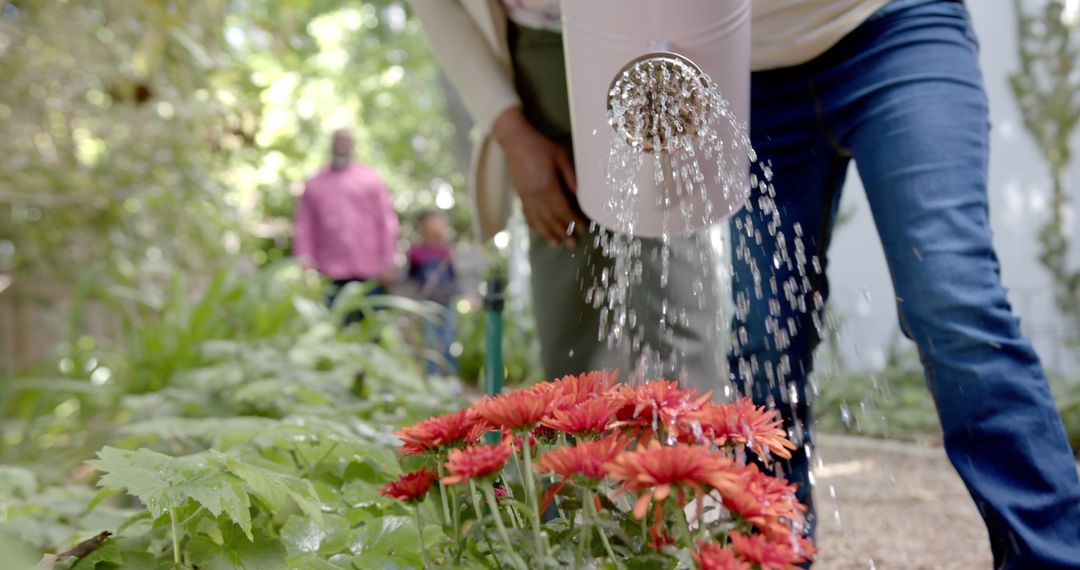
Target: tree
[(1047, 89)]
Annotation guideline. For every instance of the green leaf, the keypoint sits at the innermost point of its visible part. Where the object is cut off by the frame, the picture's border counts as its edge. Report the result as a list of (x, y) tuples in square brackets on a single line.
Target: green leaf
[(390, 539), (164, 483), (133, 520), (277, 490), (302, 534), (108, 553), (309, 561), (262, 553), (101, 496)]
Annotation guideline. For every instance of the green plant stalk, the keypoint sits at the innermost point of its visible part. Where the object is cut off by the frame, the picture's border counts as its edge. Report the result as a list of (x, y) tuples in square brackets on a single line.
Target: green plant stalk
[(480, 520), (175, 539), (496, 514), (442, 493), (521, 475), (447, 517), (590, 507), (530, 490), (420, 536), (684, 525)]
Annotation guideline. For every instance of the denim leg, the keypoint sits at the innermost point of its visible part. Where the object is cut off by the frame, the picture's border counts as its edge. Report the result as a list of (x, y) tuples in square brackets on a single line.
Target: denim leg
[(912, 107), (778, 258)]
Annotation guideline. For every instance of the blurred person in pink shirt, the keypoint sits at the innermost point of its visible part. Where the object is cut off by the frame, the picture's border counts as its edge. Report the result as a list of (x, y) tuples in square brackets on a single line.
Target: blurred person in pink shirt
[(346, 227)]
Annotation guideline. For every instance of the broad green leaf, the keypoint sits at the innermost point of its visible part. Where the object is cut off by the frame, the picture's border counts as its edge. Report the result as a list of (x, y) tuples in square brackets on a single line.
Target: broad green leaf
[(390, 539), (138, 560), (302, 534), (107, 554), (309, 561), (163, 483), (277, 490), (262, 553)]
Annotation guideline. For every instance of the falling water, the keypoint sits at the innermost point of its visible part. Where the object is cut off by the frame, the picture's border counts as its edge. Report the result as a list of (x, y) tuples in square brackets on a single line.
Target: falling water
[(668, 117), (669, 120)]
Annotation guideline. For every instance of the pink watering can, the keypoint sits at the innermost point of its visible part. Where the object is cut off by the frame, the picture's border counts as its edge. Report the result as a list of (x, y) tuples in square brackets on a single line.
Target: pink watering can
[(641, 75)]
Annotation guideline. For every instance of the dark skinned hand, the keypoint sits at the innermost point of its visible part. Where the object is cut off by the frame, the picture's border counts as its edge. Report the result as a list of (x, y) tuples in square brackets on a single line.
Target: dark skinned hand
[(540, 170)]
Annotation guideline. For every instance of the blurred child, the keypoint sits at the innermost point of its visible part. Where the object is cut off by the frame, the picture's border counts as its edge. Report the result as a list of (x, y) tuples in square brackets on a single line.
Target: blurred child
[(431, 269)]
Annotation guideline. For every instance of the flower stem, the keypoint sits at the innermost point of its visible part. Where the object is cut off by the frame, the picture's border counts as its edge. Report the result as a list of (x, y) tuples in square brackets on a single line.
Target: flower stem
[(480, 520), (530, 490), (497, 515), (175, 539), (590, 507), (684, 525), (442, 495), (447, 517), (420, 536)]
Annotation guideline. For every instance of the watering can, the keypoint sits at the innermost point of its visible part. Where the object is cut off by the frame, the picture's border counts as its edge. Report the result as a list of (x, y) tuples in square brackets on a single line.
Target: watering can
[(617, 48)]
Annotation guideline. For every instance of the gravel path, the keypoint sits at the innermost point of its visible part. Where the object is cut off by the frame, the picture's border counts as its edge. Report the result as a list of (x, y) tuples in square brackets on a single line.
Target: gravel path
[(890, 506)]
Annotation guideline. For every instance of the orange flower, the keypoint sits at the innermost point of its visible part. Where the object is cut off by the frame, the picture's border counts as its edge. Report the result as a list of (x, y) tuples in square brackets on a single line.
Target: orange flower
[(464, 426), (410, 487), (588, 418), (522, 409), (744, 423), (769, 554), (655, 471), (659, 401), (569, 391), (583, 462), (475, 462), (585, 459), (767, 502), (712, 556)]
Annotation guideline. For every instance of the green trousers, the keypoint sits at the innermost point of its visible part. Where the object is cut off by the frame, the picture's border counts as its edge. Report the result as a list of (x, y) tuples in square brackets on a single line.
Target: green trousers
[(688, 347)]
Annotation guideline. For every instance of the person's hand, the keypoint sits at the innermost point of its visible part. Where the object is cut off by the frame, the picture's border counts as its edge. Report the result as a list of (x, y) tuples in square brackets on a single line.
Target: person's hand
[(540, 170)]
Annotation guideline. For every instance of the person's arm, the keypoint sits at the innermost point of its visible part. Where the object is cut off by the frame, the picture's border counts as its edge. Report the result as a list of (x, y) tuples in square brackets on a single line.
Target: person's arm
[(540, 170), (304, 231), (468, 60)]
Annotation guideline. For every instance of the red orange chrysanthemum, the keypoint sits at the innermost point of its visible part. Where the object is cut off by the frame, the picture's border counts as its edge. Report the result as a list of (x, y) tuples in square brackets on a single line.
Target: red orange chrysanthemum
[(585, 459), (659, 402), (712, 556), (769, 554), (410, 487), (587, 418), (744, 423), (583, 462), (767, 502), (464, 426), (568, 391), (656, 471), (475, 462), (514, 411)]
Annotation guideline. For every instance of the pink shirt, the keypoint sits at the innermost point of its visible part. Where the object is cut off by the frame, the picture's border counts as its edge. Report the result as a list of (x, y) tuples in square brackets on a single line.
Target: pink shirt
[(345, 225)]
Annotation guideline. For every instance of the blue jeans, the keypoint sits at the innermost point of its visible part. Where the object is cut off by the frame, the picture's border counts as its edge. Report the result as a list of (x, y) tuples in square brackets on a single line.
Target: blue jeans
[(903, 96)]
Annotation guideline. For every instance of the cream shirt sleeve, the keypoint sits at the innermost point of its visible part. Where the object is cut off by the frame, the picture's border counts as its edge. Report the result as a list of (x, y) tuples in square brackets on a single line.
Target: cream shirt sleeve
[(468, 59)]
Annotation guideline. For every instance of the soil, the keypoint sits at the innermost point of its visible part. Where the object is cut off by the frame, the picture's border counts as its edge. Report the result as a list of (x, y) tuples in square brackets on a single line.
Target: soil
[(886, 505)]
